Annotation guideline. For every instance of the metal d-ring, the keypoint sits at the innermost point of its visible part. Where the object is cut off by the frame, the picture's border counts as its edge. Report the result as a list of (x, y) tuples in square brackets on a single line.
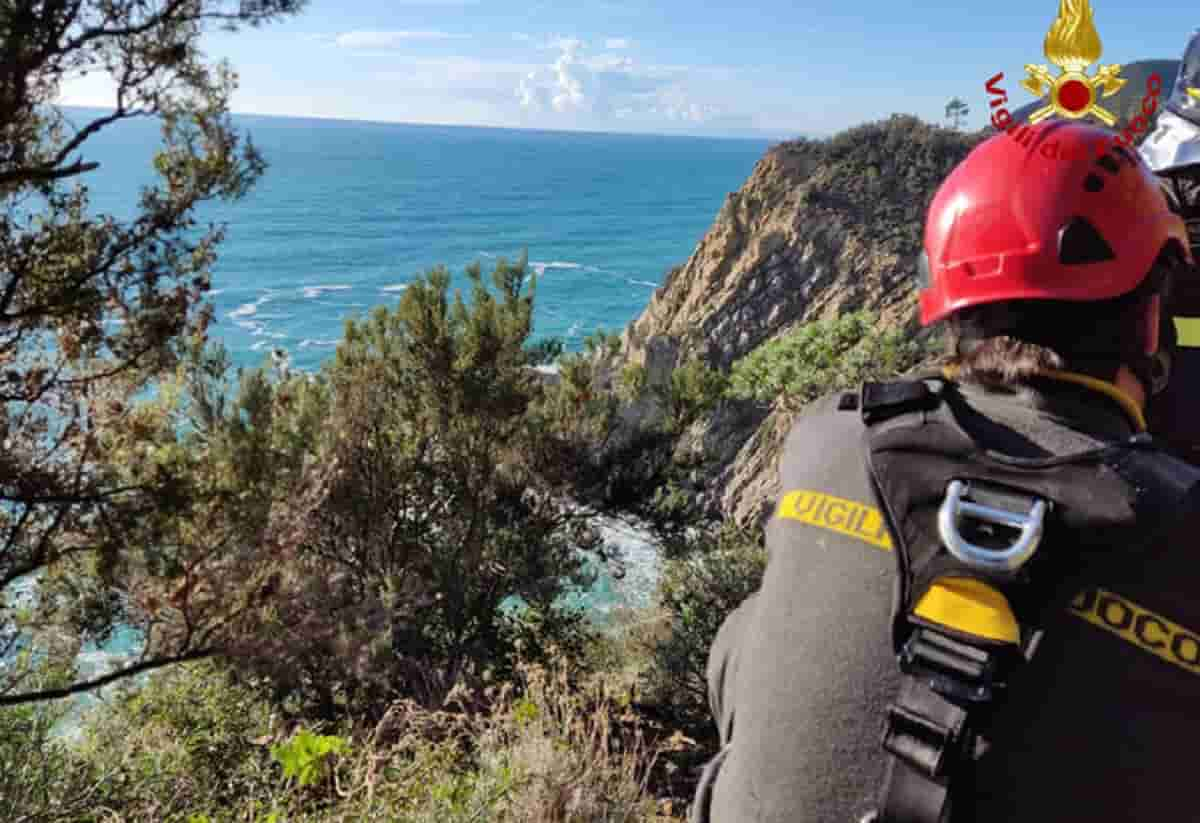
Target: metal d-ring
[(997, 560)]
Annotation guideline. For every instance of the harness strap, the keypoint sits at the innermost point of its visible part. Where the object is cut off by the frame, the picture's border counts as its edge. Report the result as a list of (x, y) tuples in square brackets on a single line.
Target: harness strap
[(925, 734)]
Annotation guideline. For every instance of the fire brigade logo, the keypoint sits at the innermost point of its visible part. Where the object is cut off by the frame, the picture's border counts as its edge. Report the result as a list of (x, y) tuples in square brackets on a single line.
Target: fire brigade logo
[(1073, 44)]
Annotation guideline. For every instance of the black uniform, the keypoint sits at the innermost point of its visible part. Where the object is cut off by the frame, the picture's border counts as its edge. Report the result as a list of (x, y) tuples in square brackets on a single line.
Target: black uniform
[(1101, 725)]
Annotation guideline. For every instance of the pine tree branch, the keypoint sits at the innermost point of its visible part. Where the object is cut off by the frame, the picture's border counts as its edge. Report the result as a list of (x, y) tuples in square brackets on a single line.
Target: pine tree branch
[(44, 173), (96, 683)]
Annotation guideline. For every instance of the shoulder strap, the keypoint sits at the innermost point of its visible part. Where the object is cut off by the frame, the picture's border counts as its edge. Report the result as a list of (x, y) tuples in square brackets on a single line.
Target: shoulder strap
[(972, 585)]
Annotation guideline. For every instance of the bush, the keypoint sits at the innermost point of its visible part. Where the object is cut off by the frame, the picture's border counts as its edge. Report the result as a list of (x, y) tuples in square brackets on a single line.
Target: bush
[(602, 341), (706, 574), (695, 388), (191, 740), (911, 157), (437, 541), (545, 352), (632, 382), (39, 779), (821, 357)]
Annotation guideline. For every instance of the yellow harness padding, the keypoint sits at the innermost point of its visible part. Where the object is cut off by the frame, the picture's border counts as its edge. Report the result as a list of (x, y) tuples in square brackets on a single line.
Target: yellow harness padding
[(1187, 331), (971, 607)]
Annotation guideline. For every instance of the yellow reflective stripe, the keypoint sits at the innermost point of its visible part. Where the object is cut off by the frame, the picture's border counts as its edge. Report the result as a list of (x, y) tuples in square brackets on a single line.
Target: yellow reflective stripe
[(965, 605), (971, 607), (838, 514), (1150, 632), (1188, 331)]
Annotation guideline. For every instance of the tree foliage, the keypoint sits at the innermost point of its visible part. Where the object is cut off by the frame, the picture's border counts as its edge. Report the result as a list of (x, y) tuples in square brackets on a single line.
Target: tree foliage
[(546, 351), (956, 112), (694, 389), (408, 528), (95, 309), (880, 178), (706, 574)]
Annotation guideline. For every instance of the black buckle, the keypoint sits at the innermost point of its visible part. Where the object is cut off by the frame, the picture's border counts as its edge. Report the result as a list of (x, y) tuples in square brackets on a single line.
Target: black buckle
[(960, 672), (919, 740), (879, 401)]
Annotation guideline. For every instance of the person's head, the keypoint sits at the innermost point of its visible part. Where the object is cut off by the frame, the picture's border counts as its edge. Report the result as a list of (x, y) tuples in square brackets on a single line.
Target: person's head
[(1044, 259)]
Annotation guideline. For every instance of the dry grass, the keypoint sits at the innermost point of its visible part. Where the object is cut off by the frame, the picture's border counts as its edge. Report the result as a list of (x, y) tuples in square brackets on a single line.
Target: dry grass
[(548, 751)]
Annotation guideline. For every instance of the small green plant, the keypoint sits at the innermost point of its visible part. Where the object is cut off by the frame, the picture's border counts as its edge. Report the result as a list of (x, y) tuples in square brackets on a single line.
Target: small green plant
[(602, 341), (306, 757), (632, 381), (545, 352), (524, 712)]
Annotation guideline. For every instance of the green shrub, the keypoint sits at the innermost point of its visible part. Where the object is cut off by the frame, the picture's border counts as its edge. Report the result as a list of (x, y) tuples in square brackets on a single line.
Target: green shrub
[(190, 741), (546, 351), (821, 357), (579, 410), (608, 343), (435, 504), (307, 757), (632, 382), (192, 746), (39, 779), (705, 576), (694, 389)]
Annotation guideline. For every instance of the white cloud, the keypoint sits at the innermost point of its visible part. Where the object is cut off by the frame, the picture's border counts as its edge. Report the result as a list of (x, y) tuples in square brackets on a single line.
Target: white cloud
[(610, 86), (566, 44), (617, 43), (388, 39)]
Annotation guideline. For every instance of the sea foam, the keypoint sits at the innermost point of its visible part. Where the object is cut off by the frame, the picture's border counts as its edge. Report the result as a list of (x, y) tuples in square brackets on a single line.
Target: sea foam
[(313, 292)]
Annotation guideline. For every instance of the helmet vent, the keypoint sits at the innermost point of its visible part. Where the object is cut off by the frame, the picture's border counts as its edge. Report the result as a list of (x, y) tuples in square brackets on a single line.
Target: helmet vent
[(1093, 183), (1079, 242), (1108, 164)]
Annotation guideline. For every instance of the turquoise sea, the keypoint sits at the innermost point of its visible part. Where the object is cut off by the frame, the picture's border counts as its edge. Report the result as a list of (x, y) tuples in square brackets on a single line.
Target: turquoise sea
[(350, 212)]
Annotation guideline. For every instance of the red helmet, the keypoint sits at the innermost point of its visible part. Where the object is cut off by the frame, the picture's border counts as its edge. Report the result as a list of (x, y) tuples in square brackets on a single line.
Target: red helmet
[(1067, 214)]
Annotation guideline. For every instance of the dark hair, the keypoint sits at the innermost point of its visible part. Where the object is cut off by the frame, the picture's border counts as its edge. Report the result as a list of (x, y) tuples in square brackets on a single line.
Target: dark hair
[(1011, 342)]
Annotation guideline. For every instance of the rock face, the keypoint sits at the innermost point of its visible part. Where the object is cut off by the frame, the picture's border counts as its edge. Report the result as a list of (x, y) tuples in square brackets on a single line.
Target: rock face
[(820, 228)]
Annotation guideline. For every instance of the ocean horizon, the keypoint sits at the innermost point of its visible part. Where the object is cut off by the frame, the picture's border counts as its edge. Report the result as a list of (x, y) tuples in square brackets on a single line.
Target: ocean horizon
[(752, 135)]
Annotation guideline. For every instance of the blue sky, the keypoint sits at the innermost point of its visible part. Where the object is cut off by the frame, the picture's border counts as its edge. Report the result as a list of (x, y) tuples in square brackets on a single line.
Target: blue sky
[(775, 68)]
